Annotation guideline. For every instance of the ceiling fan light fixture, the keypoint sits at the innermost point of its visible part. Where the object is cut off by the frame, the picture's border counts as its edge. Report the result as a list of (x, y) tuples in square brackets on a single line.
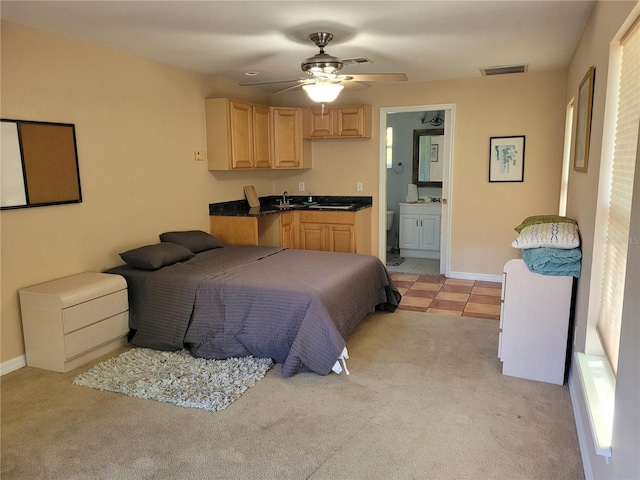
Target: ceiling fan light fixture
[(322, 92), (321, 64)]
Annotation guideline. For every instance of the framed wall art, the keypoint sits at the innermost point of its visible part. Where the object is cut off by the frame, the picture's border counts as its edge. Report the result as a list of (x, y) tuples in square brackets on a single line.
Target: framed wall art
[(506, 159), (583, 122), (39, 164)]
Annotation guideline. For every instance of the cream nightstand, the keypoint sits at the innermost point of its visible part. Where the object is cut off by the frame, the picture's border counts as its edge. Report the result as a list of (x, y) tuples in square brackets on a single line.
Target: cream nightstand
[(70, 321)]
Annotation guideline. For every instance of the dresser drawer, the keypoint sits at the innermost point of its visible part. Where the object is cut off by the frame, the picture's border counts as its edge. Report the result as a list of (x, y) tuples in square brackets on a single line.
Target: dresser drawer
[(97, 334), (88, 313)]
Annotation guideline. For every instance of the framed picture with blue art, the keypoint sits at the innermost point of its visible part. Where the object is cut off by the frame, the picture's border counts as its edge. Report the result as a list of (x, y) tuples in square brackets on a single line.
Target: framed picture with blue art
[(506, 159)]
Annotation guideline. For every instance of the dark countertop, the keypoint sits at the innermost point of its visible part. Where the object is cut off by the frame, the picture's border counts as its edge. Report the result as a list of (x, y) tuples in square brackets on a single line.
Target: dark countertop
[(240, 208)]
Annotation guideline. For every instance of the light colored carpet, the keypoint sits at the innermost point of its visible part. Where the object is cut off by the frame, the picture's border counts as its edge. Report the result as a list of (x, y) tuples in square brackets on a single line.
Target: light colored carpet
[(425, 400), (176, 377)]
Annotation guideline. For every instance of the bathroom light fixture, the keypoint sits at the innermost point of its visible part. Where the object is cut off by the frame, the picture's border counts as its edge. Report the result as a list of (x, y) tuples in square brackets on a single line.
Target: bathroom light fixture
[(434, 122), (323, 91)]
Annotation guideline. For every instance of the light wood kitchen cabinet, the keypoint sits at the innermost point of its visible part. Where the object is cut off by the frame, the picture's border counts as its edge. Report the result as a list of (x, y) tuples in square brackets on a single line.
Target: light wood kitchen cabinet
[(335, 231), (290, 149), (320, 123), (234, 230), (327, 237), (352, 121), (262, 136), (287, 230), (268, 230), (238, 134)]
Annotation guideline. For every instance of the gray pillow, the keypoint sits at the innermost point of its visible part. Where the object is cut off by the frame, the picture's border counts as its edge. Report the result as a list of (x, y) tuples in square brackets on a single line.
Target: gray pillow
[(153, 257), (195, 240)]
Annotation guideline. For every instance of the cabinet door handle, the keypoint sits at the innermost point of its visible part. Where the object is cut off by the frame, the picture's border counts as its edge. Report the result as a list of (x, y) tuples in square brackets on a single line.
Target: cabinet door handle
[(416, 222)]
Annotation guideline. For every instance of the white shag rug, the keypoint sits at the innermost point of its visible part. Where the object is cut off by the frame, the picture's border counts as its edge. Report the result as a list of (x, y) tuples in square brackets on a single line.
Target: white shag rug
[(176, 377)]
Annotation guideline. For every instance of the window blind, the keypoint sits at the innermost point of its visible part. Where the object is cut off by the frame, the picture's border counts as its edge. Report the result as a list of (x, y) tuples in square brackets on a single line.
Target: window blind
[(619, 211)]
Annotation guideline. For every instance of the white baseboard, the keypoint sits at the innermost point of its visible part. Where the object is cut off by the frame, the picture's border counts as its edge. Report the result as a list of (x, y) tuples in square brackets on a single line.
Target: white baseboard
[(483, 277), (13, 365)]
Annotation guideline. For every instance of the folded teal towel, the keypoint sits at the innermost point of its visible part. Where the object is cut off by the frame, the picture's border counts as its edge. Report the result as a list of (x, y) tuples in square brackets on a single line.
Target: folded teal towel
[(553, 261)]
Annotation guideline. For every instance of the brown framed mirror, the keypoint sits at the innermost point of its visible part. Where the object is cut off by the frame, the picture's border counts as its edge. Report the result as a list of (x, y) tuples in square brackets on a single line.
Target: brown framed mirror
[(427, 157)]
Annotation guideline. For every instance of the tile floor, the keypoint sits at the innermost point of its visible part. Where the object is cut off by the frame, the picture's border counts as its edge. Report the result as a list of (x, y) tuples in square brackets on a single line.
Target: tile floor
[(419, 266), (449, 296)]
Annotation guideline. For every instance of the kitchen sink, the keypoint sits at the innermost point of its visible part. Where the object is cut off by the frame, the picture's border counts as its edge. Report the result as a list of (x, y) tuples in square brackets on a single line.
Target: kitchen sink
[(282, 206), (332, 207)]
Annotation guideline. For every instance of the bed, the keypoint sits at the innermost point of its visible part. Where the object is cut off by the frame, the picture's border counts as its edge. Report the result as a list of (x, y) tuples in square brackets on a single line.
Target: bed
[(294, 306)]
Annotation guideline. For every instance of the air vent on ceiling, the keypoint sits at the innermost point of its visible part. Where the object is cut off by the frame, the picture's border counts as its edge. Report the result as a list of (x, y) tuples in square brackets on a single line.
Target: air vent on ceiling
[(504, 70), (355, 61)]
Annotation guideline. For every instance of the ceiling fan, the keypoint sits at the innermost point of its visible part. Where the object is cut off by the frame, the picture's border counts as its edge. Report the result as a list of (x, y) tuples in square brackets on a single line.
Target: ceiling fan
[(324, 82)]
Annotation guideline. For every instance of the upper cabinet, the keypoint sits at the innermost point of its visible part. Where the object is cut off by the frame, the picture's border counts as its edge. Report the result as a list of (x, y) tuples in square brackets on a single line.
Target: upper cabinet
[(290, 149), (352, 121), (238, 134), (262, 144), (243, 135), (247, 136)]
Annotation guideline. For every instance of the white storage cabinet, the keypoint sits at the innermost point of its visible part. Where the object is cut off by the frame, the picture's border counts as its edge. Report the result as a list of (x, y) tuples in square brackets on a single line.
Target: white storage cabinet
[(420, 230), (534, 323), (72, 320)]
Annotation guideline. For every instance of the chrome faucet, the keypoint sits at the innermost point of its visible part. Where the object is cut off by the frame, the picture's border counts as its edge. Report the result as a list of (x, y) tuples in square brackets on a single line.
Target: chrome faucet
[(285, 198)]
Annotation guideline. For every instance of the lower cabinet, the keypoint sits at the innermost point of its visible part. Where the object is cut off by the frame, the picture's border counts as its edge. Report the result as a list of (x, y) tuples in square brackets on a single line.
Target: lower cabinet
[(234, 230), (348, 232), (327, 237), (287, 230), (308, 230), (534, 323), (419, 235)]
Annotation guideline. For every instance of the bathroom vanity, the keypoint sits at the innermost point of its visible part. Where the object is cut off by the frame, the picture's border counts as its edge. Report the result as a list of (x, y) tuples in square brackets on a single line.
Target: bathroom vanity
[(420, 230)]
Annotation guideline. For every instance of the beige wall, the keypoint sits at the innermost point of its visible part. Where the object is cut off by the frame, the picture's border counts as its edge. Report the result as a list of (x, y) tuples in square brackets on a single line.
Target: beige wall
[(604, 26), (138, 123), (484, 213)]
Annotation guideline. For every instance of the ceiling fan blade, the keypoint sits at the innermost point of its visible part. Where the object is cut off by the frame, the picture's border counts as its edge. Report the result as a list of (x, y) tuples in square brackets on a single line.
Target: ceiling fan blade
[(378, 77), (270, 83), (353, 85), (299, 85)]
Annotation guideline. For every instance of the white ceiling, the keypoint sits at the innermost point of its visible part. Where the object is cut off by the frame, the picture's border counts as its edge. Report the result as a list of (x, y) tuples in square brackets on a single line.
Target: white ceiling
[(427, 40)]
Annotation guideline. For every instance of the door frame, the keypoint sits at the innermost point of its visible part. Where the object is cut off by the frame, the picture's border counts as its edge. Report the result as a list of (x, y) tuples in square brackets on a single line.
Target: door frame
[(447, 179)]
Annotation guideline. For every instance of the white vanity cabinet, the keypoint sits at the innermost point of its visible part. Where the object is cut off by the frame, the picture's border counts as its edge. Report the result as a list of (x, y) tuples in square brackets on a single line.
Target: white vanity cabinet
[(534, 323), (420, 230)]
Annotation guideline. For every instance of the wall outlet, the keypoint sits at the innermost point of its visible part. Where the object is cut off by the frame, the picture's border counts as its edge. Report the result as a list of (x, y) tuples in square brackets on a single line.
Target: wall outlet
[(198, 155), (301, 186), (359, 186)]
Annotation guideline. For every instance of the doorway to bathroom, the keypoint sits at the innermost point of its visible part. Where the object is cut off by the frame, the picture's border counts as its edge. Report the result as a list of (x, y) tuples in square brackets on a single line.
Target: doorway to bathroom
[(416, 164)]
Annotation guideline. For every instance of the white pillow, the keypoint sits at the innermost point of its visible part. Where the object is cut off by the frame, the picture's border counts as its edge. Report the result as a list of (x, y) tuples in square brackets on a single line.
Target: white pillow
[(549, 235)]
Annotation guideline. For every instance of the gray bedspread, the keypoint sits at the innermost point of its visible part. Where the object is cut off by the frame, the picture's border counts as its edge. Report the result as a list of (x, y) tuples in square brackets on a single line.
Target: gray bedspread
[(295, 306)]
